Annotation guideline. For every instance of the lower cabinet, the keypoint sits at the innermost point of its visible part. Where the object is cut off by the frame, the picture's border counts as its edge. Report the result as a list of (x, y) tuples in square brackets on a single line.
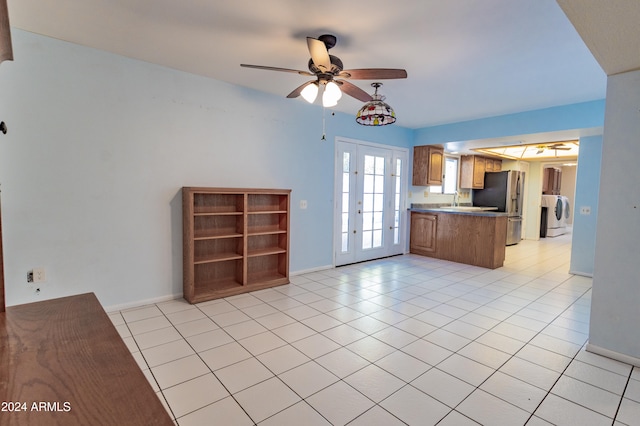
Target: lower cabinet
[(474, 239), (423, 233)]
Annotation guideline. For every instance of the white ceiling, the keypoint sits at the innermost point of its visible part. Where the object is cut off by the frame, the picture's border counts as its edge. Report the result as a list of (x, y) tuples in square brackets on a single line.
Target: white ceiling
[(465, 59)]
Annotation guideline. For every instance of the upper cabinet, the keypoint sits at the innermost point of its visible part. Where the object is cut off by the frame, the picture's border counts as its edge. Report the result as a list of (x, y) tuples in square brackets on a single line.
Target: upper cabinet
[(427, 165), (472, 169), (493, 165), (551, 180)]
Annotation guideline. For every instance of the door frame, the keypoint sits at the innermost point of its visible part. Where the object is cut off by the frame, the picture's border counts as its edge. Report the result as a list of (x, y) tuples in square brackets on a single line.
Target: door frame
[(396, 152)]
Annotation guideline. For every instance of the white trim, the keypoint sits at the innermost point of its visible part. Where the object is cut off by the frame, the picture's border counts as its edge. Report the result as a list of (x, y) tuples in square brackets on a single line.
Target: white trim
[(627, 359), (582, 274), (395, 152), (306, 271), (371, 144), (141, 303)]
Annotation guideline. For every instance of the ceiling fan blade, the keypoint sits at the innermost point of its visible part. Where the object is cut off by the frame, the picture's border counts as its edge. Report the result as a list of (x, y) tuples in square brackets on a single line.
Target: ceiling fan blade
[(319, 54), (373, 73), (298, 90), (559, 146), (262, 67), (354, 91)]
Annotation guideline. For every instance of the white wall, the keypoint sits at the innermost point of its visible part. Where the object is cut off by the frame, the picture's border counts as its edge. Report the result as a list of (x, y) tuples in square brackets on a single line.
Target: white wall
[(615, 308), (99, 146)]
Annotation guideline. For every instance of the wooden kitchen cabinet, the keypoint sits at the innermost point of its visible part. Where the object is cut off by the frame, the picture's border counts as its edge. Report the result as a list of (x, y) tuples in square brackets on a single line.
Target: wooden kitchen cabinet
[(423, 232), (551, 181), (472, 168), (493, 165), (473, 239), (234, 241), (428, 164)]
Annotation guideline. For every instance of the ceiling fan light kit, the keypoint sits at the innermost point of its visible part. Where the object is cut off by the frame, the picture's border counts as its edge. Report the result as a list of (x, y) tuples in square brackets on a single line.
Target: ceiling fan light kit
[(331, 95), (329, 73), (310, 92), (376, 112)]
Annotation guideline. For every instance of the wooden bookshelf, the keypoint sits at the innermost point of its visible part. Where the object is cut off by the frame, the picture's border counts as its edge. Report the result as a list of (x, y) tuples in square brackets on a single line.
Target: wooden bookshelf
[(235, 240)]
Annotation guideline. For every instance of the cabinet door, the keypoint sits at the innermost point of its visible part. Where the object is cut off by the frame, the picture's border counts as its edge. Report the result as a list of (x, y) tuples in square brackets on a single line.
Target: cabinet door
[(427, 165), (420, 165), (488, 165), (423, 232), (478, 172), (436, 161), (557, 181), (472, 168)]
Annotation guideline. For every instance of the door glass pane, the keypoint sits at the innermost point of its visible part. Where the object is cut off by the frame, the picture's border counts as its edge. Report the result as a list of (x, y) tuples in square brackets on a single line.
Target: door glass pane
[(368, 184), (367, 239), (367, 202), (345, 242), (367, 221), (396, 206), (378, 202), (346, 161), (377, 238), (369, 164), (373, 201)]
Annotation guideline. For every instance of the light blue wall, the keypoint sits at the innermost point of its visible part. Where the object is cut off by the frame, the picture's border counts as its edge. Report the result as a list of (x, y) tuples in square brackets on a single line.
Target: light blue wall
[(583, 243), (99, 146), (576, 116)]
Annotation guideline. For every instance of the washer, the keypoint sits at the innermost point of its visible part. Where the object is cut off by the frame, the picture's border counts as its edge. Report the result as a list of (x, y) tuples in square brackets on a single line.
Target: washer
[(556, 220)]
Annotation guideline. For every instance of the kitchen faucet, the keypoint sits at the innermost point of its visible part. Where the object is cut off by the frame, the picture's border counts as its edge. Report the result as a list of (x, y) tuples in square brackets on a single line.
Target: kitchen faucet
[(456, 199)]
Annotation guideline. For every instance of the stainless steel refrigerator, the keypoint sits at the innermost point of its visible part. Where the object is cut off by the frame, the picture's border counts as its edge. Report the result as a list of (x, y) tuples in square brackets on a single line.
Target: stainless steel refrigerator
[(504, 190)]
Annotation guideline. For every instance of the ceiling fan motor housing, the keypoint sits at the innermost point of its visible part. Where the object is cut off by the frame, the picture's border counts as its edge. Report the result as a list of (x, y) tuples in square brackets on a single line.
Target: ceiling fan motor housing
[(336, 65)]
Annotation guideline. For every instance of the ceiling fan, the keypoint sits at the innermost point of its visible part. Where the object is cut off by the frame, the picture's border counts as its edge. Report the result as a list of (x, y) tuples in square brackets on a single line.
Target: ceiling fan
[(329, 73), (554, 146)]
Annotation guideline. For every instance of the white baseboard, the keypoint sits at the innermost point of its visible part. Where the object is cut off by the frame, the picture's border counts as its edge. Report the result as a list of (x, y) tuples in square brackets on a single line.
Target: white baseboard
[(307, 271), (582, 274), (139, 303), (613, 355)]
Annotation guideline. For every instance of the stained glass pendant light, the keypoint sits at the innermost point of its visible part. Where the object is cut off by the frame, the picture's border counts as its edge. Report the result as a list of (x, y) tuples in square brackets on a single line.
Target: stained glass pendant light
[(376, 112)]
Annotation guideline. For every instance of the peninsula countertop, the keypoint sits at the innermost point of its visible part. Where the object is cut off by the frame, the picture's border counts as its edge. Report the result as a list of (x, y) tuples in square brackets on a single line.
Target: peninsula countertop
[(466, 210)]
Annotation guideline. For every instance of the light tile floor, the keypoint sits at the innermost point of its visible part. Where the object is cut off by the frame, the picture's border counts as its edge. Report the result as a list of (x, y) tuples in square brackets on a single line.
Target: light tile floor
[(403, 340)]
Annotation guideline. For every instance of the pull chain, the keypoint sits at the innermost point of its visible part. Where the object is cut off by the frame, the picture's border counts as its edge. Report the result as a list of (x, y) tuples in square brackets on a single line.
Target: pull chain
[(324, 125)]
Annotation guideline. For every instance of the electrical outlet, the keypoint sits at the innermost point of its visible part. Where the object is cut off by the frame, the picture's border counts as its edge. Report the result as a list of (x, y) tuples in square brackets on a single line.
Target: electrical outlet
[(38, 275), (585, 210), (303, 204)]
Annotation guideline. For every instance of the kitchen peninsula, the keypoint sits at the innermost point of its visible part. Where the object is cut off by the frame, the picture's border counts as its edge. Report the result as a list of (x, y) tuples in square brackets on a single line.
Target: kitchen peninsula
[(470, 235)]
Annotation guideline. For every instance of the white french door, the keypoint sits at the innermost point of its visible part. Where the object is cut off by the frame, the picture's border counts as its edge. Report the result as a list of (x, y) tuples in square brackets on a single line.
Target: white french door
[(370, 201)]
